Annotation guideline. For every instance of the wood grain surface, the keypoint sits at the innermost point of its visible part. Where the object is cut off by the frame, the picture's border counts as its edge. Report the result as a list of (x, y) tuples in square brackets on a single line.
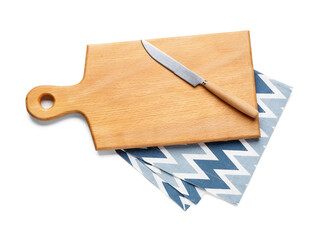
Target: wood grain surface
[(130, 100)]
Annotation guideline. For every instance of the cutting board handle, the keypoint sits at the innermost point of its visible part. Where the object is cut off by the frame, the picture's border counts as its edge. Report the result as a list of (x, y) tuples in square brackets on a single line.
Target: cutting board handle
[(62, 97)]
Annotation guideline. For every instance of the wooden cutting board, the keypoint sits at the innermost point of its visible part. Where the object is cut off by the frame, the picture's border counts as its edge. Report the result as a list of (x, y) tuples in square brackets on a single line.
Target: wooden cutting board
[(129, 100)]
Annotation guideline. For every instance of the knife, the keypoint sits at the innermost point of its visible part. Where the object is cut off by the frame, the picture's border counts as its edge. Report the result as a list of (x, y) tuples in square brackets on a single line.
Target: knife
[(194, 79)]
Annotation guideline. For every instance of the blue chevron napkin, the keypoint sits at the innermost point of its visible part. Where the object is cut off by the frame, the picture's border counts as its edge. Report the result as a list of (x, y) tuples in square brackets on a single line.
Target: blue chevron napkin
[(223, 169)]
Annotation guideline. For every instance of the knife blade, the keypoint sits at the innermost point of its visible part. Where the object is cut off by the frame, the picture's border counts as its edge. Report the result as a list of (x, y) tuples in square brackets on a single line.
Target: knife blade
[(192, 78)]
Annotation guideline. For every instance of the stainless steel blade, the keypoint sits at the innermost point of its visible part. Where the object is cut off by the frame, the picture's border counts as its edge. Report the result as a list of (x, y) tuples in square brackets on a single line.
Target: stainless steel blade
[(172, 65)]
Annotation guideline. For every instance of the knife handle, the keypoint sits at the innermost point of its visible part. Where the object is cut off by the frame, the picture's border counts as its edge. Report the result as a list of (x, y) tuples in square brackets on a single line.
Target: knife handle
[(232, 100)]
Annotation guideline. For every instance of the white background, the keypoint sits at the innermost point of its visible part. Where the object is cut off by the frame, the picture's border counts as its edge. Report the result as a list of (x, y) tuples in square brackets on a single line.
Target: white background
[(54, 185)]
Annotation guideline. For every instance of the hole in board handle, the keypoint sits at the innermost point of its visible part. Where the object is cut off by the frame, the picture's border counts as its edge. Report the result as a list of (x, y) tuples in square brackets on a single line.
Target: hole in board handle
[(47, 101)]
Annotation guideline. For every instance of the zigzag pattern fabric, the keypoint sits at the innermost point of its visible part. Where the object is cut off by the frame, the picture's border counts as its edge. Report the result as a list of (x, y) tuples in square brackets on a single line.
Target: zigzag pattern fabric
[(181, 192), (222, 169)]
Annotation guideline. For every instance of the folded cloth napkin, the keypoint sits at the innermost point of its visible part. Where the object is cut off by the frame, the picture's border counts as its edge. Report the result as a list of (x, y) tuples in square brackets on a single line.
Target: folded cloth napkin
[(186, 172)]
